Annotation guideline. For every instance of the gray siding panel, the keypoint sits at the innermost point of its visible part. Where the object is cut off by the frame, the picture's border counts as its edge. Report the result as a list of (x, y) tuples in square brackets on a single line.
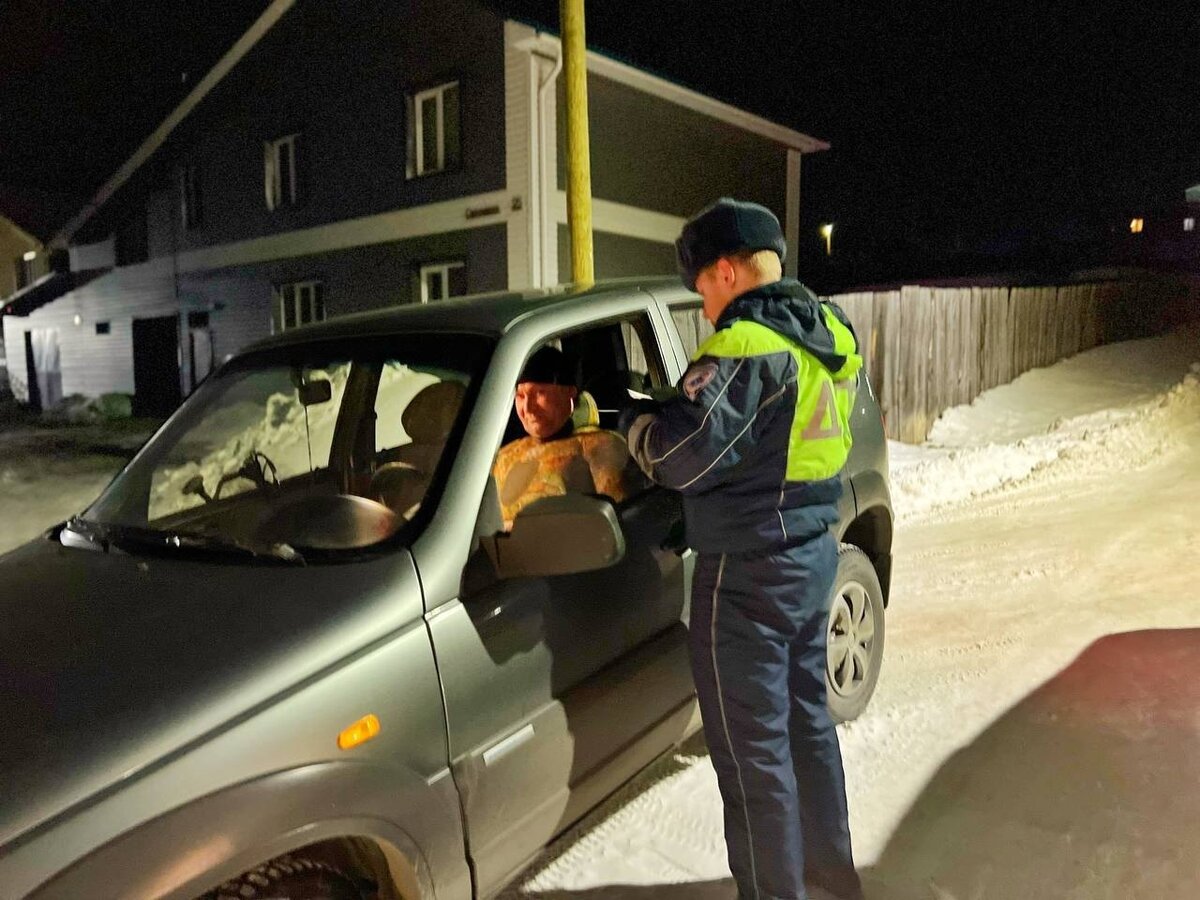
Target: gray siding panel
[(617, 256), (654, 154), (355, 280), (238, 302), (339, 77)]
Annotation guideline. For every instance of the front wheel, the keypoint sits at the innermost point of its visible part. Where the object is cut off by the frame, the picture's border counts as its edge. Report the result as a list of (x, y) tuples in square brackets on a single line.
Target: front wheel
[(289, 878), (854, 650)]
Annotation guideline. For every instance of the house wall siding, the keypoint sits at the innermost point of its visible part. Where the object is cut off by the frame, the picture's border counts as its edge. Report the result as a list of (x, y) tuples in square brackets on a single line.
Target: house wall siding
[(341, 82), (619, 256), (94, 364), (654, 154), (353, 280), (238, 301)]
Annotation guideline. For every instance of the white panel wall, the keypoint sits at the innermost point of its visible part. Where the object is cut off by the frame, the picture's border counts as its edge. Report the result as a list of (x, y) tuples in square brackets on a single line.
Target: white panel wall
[(94, 364), (239, 310)]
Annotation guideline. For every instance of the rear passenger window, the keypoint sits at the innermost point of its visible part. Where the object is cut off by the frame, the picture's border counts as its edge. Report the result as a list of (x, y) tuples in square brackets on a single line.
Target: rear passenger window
[(614, 358), (693, 328)]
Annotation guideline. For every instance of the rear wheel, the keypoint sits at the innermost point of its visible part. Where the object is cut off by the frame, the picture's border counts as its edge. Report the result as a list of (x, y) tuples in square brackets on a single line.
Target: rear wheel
[(854, 651), (289, 878)]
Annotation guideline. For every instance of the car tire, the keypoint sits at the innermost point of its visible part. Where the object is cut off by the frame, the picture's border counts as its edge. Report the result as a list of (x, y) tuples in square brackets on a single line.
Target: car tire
[(289, 878), (854, 650)]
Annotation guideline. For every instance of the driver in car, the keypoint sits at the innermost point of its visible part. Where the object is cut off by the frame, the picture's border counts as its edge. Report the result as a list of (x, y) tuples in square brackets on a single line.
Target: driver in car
[(556, 457)]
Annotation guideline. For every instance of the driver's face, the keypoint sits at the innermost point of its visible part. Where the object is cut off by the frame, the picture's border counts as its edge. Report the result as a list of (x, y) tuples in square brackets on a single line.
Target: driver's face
[(544, 408)]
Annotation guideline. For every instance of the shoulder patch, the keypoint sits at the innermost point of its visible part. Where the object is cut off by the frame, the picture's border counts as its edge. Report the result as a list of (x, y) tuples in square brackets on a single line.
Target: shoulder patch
[(697, 377)]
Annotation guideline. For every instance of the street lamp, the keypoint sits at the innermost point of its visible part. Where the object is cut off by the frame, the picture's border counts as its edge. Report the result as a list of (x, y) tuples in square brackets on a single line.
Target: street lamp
[(827, 233)]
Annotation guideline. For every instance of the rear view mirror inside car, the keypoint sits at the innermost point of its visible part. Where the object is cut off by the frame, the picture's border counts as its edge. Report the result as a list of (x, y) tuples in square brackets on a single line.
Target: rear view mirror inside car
[(314, 393)]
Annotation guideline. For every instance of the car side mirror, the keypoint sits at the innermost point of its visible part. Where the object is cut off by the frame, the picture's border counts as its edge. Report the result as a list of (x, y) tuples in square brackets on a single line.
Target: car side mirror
[(558, 536)]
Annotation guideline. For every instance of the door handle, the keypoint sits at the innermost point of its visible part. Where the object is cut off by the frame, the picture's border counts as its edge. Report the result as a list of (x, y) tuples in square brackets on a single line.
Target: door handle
[(501, 749)]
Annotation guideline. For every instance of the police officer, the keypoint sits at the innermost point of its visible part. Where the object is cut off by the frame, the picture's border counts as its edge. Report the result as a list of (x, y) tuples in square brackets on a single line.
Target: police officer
[(754, 441)]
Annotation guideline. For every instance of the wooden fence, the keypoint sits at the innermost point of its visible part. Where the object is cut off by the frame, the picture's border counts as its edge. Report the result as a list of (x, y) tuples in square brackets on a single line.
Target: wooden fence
[(928, 349)]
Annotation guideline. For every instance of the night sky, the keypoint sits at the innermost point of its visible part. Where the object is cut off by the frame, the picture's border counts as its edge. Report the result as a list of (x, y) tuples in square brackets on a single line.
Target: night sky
[(954, 125)]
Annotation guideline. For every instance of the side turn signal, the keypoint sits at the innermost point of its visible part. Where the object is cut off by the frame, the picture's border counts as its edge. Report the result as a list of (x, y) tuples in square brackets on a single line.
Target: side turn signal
[(359, 733)]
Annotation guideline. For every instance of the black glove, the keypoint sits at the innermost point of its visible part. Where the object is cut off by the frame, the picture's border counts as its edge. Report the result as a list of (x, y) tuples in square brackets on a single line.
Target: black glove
[(630, 411)]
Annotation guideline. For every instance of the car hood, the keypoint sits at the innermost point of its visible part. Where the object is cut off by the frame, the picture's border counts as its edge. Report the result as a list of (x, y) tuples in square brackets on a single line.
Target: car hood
[(110, 663)]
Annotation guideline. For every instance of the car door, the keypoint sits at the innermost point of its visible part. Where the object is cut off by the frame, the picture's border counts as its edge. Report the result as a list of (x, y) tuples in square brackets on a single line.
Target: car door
[(560, 688)]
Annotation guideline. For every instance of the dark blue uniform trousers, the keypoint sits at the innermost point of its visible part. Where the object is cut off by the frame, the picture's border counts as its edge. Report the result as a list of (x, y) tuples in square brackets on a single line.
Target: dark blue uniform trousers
[(757, 635)]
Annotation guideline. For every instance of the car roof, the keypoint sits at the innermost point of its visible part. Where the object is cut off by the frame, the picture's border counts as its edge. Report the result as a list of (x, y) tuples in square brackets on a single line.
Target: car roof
[(490, 314)]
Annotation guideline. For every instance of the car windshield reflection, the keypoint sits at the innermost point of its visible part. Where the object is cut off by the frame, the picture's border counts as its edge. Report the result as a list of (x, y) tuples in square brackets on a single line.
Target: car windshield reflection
[(325, 446)]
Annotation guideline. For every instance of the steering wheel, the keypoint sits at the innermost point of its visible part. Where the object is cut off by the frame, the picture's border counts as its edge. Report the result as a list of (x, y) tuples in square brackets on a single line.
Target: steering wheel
[(253, 470), (328, 522)]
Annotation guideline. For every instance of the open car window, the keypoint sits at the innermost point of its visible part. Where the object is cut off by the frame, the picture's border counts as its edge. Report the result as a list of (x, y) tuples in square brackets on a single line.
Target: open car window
[(326, 445)]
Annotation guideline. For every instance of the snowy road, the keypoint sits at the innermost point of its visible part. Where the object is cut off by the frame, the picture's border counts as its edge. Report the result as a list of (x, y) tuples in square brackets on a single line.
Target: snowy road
[(1036, 730)]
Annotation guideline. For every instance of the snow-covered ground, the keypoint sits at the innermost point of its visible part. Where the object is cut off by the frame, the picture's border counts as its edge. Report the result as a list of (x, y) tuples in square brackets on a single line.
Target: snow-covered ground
[(49, 474), (1036, 730)]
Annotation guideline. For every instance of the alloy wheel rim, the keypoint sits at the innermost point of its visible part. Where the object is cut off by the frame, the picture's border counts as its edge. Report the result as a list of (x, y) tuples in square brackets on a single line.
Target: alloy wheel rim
[(850, 639)]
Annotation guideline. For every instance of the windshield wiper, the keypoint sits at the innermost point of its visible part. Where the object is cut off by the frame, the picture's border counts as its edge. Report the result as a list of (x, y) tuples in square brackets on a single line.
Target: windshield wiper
[(185, 540), (80, 533), (125, 537)]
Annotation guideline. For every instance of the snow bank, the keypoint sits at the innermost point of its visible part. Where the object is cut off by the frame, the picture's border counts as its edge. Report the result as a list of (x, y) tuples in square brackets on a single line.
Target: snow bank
[(1113, 407)]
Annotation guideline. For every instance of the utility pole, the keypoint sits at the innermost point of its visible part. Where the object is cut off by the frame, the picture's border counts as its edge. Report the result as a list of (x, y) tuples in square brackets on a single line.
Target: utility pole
[(579, 166)]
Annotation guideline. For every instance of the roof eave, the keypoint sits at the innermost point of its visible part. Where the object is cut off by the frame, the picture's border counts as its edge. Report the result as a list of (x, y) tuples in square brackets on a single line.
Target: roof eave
[(232, 56), (606, 66)]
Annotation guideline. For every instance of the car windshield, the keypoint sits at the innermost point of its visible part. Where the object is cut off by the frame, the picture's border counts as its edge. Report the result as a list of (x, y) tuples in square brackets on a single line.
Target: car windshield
[(297, 452)]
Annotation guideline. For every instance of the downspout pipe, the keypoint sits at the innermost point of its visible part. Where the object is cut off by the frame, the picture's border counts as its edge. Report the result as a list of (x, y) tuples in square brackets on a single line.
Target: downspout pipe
[(547, 221)]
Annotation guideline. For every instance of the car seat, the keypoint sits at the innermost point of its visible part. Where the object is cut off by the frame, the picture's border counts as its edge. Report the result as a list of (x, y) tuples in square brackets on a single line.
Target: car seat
[(428, 420)]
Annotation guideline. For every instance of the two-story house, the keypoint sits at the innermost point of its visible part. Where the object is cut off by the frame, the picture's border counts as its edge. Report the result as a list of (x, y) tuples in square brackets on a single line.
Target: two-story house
[(341, 158)]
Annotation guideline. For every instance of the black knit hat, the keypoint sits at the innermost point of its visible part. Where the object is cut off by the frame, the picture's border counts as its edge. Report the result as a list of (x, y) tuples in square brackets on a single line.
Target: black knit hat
[(547, 366), (724, 227)]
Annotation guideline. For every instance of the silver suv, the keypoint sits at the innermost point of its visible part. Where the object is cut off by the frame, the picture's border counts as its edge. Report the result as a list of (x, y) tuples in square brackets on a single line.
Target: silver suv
[(289, 652)]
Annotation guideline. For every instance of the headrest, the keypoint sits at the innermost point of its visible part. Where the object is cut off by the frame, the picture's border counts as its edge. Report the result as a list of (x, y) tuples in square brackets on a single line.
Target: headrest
[(430, 415), (586, 414)]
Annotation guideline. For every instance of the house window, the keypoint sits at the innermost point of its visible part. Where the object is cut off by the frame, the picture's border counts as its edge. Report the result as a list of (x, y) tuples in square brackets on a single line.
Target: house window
[(1189, 224), (298, 303), (1136, 225), (434, 134), (103, 328), (279, 172), (440, 281), (190, 208)]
